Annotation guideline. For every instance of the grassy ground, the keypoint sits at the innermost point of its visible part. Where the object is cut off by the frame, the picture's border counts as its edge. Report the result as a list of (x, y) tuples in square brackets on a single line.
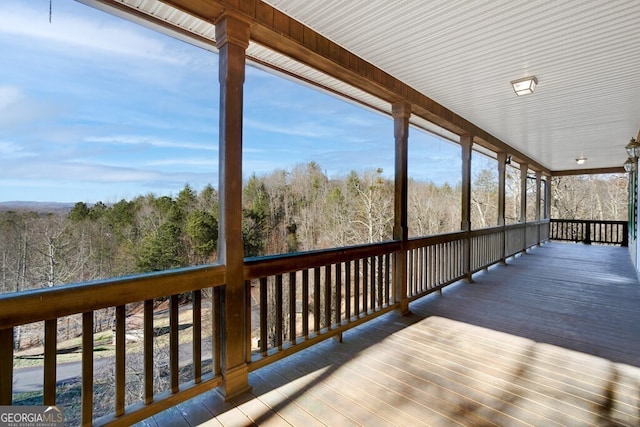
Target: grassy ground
[(71, 350)]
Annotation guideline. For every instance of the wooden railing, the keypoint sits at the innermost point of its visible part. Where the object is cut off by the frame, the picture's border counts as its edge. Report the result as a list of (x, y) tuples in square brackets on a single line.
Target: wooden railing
[(294, 301), (435, 262), (590, 231), (50, 305), (515, 238), (304, 298)]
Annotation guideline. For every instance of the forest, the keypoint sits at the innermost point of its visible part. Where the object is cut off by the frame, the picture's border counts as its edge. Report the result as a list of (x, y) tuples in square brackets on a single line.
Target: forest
[(285, 211)]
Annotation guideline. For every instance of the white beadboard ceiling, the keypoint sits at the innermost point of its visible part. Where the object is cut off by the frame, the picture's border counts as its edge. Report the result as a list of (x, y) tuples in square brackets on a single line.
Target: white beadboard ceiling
[(464, 53)]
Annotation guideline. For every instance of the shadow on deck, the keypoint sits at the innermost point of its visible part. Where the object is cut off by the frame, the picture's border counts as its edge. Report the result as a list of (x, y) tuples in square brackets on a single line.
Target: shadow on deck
[(552, 338)]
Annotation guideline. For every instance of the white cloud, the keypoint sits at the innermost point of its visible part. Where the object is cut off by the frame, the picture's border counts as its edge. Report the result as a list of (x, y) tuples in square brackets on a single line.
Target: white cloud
[(17, 109), (213, 162), (151, 141), (87, 30), (9, 96), (307, 129), (11, 150)]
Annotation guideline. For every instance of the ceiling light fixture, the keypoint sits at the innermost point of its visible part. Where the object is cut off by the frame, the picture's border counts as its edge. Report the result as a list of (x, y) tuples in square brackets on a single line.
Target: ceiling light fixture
[(629, 165), (525, 86), (581, 160), (633, 149)]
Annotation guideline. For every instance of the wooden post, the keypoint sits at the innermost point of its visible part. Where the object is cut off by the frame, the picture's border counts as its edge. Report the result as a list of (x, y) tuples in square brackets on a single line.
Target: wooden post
[(502, 175), (232, 40), (547, 197), (546, 211), (50, 353), (466, 142), (6, 366), (120, 360), (524, 168), (86, 411), (538, 202), (401, 114)]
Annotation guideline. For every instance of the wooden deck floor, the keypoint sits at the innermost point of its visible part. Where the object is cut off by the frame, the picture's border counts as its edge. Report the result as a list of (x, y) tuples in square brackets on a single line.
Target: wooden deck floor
[(551, 339)]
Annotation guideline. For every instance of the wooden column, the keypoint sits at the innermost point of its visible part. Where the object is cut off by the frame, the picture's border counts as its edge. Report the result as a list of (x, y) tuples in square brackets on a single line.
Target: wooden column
[(547, 206), (6, 366), (547, 198), (538, 195), (466, 142), (401, 115), (524, 168), (502, 176), (232, 40), (538, 201)]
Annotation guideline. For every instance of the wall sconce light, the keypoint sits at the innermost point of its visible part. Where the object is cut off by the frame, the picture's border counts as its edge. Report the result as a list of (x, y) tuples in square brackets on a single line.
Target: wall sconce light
[(525, 86), (633, 149), (629, 165), (507, 160), (581, 160)]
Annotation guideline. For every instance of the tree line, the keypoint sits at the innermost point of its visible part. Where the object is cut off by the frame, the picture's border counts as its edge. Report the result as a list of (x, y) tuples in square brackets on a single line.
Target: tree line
[(284, 211)]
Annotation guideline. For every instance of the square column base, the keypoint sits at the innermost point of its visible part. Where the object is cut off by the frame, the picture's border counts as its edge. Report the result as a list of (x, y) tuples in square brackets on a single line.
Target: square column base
[(235, 382)]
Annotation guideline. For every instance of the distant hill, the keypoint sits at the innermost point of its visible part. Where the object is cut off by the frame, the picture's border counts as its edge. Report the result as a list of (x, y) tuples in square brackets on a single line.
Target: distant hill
[(39, 207)]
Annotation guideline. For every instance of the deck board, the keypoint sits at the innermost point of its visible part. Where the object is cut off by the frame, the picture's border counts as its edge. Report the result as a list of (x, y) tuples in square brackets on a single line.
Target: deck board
[(552, 338)]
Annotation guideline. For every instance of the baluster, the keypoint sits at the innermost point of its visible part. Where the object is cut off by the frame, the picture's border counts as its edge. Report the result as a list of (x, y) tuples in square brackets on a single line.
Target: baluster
[(356, 292), (380, 281), (425, 269), (292, 307), (215, 324), (372, 296), (449, 258), (148, 351), (279, 313), (429, 267), (327, 296), (196, 320), (347, 290), (173, 342), (389, 275), (416, 273), (87, 368), (473, 256), (120, 359), (6, 366), (413, 272), (439, 266), (50, 354), (264, 307), (316, 300), (338, 296), (365, 286), (248, 323), (305, 303)]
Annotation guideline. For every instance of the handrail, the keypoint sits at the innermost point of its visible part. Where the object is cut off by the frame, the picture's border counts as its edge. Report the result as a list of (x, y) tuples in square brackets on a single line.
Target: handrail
[(19, 308), (270, 265)]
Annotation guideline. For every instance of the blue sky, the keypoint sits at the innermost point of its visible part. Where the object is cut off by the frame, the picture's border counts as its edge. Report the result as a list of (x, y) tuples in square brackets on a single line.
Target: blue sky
[(94, 108)]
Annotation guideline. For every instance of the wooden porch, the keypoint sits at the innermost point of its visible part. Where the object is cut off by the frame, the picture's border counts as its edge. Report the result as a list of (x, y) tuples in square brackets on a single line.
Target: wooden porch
[(551, 338)]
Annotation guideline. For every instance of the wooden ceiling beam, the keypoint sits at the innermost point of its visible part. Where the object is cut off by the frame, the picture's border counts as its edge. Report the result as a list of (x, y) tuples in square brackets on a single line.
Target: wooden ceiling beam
[(593, 171)]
